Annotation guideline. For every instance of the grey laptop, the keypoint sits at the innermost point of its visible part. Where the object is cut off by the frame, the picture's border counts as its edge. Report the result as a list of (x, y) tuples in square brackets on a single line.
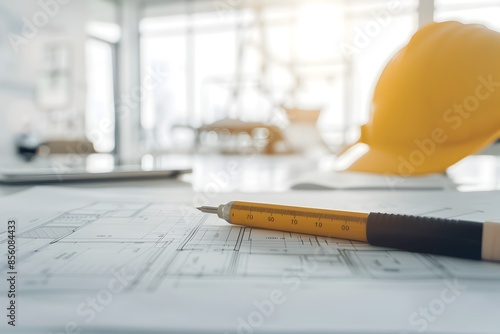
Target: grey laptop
[(49, 174)]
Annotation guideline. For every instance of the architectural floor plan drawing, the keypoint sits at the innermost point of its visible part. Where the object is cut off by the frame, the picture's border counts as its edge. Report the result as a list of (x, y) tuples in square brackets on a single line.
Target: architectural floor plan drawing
[(156, 241), (102, 260)]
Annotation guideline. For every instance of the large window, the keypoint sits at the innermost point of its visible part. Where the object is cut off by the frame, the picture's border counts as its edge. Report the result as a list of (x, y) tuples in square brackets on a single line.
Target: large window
[(202, 61), (484, 12), (100, 113), (245, 61)]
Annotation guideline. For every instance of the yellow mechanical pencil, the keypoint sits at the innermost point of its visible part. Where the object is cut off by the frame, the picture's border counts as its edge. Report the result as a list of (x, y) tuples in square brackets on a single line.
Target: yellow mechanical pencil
[(459, 238)]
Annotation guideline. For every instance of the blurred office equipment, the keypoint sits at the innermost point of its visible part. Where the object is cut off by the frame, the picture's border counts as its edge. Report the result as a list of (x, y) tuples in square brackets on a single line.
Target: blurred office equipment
[(126, 74)]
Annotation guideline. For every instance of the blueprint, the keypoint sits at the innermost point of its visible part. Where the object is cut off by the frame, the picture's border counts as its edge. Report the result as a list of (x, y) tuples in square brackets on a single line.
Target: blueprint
[(75, 242)]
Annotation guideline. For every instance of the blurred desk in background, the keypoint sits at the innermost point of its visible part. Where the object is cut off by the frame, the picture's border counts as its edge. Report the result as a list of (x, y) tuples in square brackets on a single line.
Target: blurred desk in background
[(257, 173)]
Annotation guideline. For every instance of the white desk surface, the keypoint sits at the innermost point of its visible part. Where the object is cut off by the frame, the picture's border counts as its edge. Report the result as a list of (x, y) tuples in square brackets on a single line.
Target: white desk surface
[(263, 173), (273, 174)]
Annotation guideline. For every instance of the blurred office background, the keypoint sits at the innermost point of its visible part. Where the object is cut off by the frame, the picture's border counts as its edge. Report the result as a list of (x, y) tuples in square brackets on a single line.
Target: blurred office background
[(143, 76)]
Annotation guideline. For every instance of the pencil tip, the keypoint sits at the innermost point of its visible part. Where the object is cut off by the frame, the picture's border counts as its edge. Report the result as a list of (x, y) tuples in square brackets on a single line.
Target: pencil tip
[(208, 209)]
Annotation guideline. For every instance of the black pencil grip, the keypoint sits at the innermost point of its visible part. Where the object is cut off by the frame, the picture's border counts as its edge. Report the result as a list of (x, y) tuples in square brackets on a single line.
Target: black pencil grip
[(425, 234)]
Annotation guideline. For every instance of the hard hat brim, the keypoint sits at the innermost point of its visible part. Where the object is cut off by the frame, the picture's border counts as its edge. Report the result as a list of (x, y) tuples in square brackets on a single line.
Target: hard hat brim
[(427, 158)]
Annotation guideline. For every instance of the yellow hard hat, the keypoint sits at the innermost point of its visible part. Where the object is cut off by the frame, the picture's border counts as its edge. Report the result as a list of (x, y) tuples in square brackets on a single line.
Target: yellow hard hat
[(437, 101)]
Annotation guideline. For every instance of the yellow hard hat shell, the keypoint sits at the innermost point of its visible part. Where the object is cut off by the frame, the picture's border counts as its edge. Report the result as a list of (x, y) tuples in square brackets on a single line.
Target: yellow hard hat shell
[(437, 101)]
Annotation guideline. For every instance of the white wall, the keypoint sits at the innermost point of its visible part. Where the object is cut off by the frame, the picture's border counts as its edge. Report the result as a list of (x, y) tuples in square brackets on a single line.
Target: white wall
[(19, 71)]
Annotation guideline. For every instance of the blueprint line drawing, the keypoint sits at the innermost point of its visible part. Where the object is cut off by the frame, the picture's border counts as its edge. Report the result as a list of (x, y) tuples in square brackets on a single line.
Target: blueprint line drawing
[(158, 242)]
